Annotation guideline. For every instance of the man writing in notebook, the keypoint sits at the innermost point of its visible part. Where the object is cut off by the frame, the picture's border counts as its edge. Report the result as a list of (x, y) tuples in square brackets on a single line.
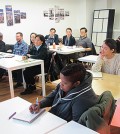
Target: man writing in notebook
[(72, 97)]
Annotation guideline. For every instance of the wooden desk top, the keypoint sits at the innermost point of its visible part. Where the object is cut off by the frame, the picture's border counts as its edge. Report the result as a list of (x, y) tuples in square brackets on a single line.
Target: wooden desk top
[(107, 82)]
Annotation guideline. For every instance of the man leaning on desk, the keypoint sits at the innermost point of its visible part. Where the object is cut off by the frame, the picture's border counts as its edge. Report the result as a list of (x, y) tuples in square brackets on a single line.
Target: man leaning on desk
[(20, 48)]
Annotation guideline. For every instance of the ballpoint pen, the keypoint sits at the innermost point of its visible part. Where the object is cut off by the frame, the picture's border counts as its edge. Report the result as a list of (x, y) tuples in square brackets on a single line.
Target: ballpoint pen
[(12, 115), (37, 101)]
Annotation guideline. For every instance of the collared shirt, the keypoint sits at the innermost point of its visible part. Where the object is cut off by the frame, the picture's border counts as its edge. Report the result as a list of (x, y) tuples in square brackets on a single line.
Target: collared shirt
[(84, 42), (37, 47), (20, 48), (67, 41)]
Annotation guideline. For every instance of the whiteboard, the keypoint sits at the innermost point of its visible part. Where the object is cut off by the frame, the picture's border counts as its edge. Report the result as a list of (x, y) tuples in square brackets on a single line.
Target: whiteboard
[(105, 25), (97, 25), (104, 14), (100, 38)]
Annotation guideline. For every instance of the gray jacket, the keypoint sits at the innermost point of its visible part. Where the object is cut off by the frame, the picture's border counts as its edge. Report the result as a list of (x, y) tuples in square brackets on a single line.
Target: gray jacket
[(75, 103)]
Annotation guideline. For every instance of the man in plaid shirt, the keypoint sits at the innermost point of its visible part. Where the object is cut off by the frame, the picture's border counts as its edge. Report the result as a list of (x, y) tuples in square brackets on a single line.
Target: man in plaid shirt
[(20, 48)]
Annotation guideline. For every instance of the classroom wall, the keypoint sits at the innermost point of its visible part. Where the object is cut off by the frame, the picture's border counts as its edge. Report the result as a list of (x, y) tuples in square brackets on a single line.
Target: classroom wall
[(35, 21), (116, 6), (81, 15)]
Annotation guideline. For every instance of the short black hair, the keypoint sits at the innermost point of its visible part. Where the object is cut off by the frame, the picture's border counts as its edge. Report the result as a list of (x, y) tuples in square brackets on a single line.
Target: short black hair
[(41, 37), (84, 29), (75, 72), (111, 43), (52, 29), (69, 29), (21, 34)]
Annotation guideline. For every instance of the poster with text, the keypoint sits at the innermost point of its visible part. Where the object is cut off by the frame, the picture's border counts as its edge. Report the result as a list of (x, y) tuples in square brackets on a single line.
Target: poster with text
[(17, 16), (9, 15), (23, 15), (1, 16)]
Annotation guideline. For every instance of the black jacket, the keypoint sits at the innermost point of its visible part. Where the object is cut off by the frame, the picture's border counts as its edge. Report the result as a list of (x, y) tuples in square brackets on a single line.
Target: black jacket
[(52, 40), (2, 46), (71, 40), (41, 53), (77, 100)]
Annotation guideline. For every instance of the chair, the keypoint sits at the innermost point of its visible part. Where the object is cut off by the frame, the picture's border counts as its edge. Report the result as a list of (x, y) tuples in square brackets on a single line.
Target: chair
[(55, 67), (9, 48), (99, 116)]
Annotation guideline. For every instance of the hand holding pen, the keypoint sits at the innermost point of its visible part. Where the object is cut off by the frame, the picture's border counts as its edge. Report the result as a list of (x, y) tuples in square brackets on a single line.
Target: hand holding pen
[(34, 108)]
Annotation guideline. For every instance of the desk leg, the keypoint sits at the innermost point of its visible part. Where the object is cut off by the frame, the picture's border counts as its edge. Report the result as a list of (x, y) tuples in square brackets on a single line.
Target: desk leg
[(43, 79), (11, 83), (24, 84)]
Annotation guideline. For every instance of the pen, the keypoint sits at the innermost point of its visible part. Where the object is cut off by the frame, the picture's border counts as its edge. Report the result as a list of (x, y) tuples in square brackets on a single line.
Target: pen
[(12, 115), (37, 101)]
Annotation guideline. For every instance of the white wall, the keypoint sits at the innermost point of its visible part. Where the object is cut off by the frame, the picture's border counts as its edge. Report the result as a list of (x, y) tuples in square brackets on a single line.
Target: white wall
[(116, 6), (35, 21), (81, 15)]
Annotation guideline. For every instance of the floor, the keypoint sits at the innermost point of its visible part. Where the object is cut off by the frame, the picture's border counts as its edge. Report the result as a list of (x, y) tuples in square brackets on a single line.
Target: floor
[(5, 91)]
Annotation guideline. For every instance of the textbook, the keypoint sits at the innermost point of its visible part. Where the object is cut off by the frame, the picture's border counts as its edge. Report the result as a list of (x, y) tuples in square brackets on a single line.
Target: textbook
[(28, 117), (96, 74)]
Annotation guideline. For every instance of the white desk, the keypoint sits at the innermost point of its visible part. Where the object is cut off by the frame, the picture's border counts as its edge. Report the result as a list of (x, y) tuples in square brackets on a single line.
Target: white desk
[(89, 58), (43, 124), (73, 128), (65, 50), (15, 63)]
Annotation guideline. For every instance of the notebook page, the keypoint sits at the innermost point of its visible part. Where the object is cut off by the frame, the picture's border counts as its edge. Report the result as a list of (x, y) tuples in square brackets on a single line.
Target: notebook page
[(26, 116)]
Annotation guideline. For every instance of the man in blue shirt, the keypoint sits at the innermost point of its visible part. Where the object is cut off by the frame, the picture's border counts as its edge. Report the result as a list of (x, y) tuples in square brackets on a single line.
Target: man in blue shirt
[(20, 48)]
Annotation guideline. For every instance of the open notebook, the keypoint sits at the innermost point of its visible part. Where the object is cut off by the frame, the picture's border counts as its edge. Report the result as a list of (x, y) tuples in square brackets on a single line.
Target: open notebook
[(26, 116), (96, 74)]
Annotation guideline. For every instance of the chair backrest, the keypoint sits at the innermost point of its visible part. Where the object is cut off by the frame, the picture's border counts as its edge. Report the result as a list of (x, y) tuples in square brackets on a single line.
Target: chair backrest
[(93, 50), (9, 48), (118, 46), (99, 116), (55, 66)]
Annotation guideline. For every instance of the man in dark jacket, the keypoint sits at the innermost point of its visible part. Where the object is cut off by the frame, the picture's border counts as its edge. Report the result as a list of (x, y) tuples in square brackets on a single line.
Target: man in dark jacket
[(52, 37), (2, 49), (68, 39), (39, 51), (73, 96)]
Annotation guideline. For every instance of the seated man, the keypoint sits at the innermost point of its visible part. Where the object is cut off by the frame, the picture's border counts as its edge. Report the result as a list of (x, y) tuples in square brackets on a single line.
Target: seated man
[(20, 48), (84, 42), (38, 51), (72, 97), (68, 39), (52, 37), (2, 49)]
